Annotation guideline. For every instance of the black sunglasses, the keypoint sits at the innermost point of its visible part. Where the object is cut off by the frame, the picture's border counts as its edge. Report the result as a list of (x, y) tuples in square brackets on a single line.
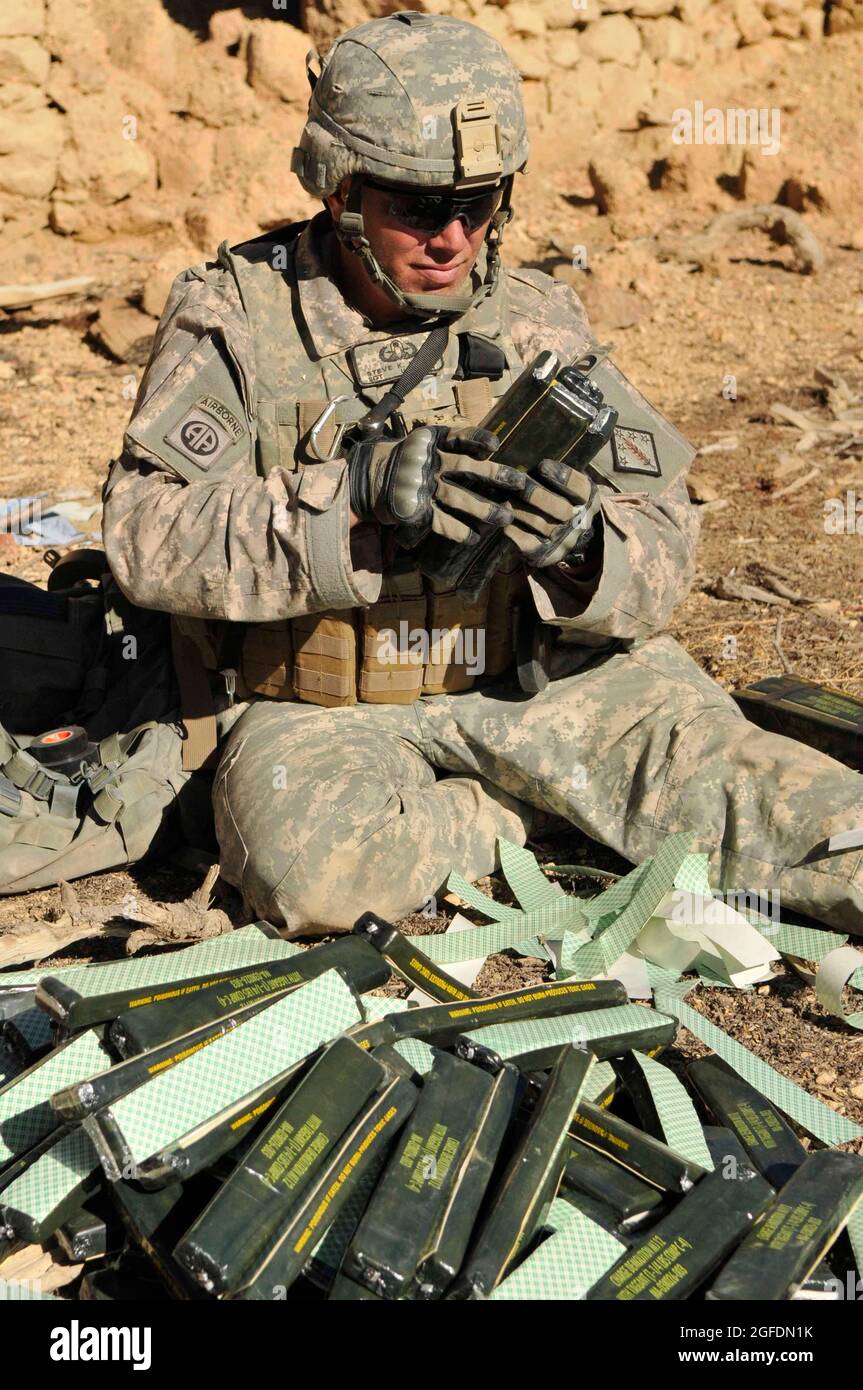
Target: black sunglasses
[(431, 212)]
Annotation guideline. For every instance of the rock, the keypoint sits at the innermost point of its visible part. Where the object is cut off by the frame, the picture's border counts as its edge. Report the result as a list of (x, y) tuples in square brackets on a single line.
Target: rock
[(616, 183), (185, 158), (845, 15), (565, 51), (692, 11), (751, 24), (759, 179), (156, 50), (124, 331), (228, 28), (701, 491), (7, 371), (582, 92), (718, 30), (526, 20), (608, 307), (612, 38), (558, 14), (784, 17), (213, 219), (530, 57), (857, 1091), (667, 38), (139, 216), (98, 158), (652, 9), (20, 96), (24, 60), (19, 17), (492, 19), (30, 152), (812, 24), (276, 61), (624, 93), (825, 1078)]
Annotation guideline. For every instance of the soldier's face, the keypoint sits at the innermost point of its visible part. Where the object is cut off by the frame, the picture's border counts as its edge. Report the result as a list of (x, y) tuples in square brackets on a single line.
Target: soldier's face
[(419, 261)]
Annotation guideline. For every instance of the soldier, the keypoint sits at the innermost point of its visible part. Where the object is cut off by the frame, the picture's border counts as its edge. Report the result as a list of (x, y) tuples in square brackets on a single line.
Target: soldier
[(370, 728)]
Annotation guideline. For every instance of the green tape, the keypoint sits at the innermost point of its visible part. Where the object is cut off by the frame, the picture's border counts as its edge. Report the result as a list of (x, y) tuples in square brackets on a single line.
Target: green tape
[(566, 1264), (817, 1119), (513, 1039), (51, 1180), (658, 880), (25, 1111), (681, 1127)]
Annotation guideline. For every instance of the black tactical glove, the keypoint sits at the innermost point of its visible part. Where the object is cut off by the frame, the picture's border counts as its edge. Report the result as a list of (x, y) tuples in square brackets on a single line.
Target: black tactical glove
[(554, 523), (418, 484)]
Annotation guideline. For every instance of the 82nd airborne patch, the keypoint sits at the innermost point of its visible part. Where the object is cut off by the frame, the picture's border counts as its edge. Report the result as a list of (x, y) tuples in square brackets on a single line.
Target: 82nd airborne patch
[(206, 431), (634, 451)]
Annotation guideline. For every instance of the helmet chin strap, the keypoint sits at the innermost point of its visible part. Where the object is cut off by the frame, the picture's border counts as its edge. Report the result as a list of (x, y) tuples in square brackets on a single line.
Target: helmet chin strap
[(351, 232)]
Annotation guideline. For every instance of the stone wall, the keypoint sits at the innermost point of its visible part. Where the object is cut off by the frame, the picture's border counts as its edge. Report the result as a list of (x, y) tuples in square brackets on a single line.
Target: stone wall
[(115, 120)]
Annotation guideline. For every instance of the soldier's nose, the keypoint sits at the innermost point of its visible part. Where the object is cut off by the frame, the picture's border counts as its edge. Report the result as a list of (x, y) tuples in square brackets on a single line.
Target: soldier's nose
[(453, 238)]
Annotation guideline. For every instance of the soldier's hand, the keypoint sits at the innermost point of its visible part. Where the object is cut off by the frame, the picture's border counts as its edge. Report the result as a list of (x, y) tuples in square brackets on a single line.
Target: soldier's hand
[(555, 522), (437, 480)]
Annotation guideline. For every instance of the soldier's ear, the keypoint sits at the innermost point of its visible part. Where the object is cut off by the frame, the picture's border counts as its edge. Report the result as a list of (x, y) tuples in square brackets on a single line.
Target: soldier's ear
[(336, 201)]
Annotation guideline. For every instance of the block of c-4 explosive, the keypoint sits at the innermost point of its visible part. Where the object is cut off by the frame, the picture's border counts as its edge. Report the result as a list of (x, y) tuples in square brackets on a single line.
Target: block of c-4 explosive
[(517, 1206), (362, 1148), (405, 958), (48, 1191), (633, 1201), (440, 1024), (798, 1229), (175, 1103), (151, 1018), (680, 1253), (629, 1146), (91, 1232), (28, 1035), (416, 1228), (80, 995), (278, 1167), (766, 1136), (75, 1103), (536, 1043)]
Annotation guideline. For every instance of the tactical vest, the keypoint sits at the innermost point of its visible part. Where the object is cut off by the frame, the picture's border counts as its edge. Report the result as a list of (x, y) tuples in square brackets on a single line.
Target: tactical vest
[(416, 639)]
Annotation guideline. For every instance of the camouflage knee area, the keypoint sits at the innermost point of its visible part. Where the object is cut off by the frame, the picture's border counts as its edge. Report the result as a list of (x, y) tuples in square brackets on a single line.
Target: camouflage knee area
[(765, 807), (301, 798)]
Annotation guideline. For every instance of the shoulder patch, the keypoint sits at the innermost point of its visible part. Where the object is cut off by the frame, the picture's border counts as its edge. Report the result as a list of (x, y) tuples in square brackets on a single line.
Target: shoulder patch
[(634, 451), (194, 421), (645, 452), (206, 431)]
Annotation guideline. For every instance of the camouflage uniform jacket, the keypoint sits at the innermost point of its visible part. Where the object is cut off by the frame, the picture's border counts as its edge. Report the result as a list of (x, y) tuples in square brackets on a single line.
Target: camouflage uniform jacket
[(243, 534)]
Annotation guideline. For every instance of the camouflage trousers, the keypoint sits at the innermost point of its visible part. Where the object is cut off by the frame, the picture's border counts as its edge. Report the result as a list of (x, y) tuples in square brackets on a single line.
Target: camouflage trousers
[(324, 813)]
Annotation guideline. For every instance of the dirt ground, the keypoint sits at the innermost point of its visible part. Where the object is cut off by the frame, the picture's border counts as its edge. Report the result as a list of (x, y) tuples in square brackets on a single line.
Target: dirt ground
[(752, 317)]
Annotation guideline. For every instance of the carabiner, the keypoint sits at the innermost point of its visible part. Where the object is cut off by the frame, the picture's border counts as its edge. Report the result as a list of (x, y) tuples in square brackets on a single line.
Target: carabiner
[(319, 424)]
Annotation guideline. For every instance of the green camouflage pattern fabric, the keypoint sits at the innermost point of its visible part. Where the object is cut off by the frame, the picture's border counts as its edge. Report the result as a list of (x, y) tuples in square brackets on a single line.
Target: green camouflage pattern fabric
[(322, 813)]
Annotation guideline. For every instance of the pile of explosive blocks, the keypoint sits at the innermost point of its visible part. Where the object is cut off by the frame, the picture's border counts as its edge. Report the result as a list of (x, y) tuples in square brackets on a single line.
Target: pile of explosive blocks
[(244, 1119)]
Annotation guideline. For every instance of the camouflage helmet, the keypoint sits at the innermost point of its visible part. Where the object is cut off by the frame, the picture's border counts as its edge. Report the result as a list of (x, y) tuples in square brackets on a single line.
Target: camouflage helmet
[(420, 100)]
